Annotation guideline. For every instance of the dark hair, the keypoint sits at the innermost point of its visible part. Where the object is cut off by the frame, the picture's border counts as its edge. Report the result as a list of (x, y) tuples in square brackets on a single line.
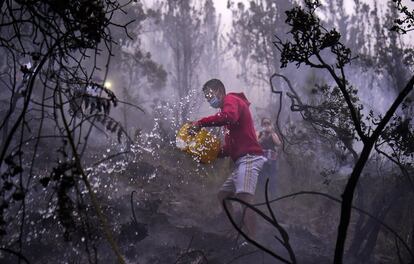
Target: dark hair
[(264, 119), (214, 84)]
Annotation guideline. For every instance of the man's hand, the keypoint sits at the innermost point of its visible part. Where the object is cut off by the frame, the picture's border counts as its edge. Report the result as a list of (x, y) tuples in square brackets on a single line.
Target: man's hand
[(194, 128)]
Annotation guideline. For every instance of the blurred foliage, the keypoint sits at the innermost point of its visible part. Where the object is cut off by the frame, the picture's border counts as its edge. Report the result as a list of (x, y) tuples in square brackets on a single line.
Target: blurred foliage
[(253, 28), (52, 52)]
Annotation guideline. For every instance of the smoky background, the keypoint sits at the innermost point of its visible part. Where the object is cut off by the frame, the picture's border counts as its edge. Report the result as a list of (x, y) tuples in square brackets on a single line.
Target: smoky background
[(156, 75)]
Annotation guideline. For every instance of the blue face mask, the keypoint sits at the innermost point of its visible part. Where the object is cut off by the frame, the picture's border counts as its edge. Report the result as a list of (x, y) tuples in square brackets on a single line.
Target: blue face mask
[(214, 102)]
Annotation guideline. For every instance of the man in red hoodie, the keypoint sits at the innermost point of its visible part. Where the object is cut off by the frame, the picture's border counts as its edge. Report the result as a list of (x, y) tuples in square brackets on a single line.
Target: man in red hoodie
[(240, 144)]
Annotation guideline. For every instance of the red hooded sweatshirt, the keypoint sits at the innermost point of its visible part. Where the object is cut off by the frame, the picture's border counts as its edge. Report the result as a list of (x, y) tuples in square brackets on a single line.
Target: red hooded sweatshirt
[(240, 137)]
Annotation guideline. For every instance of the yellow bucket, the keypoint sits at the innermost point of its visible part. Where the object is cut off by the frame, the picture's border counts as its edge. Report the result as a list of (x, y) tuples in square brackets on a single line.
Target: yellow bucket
[(203, 146)]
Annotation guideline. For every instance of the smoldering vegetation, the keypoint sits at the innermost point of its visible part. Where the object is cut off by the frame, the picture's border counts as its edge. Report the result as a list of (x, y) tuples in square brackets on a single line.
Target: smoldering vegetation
[(93, 93)]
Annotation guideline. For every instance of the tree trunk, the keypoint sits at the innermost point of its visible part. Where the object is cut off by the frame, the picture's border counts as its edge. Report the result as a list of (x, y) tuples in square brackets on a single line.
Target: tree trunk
[(347, 198)]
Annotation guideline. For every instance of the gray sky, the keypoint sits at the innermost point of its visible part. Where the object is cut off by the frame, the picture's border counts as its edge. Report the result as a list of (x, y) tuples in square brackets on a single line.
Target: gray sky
[(221, 6)]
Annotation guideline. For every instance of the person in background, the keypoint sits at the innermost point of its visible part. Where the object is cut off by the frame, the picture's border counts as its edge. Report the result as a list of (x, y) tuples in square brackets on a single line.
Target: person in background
[(269, 141), (240, 144)]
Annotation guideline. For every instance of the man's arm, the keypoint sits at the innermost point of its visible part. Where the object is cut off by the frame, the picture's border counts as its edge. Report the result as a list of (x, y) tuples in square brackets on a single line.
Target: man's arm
[(228, 115)]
